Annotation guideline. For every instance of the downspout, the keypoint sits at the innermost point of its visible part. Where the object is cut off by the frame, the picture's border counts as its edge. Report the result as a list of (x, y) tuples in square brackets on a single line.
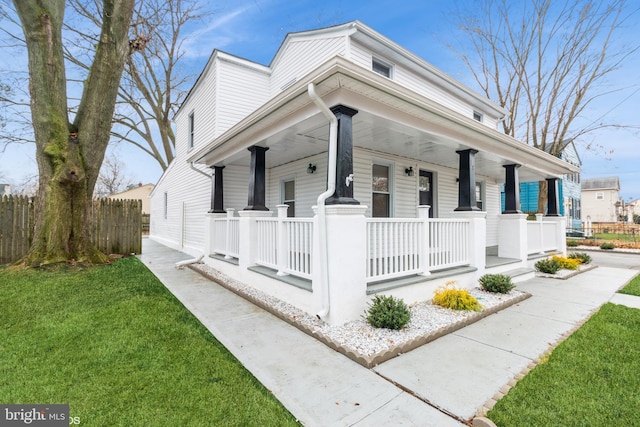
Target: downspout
[(331, 188)]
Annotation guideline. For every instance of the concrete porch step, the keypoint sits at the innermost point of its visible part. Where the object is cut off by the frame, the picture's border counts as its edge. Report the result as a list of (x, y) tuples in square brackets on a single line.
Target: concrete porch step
[(520, 274)]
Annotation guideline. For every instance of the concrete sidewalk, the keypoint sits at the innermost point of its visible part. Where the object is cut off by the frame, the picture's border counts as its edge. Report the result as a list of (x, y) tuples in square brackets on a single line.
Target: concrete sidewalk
[(456, 374)]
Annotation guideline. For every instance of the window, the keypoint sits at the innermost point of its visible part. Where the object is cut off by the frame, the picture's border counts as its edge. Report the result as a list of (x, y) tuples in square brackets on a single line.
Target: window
[(479, 198), (477, 116), (599, 195), (191, 129), (381, 67), (381, 195), (166, 204), (289, 196)]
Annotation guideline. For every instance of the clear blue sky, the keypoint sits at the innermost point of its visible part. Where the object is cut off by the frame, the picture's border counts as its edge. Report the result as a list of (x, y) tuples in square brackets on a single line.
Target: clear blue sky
[(254, 29)]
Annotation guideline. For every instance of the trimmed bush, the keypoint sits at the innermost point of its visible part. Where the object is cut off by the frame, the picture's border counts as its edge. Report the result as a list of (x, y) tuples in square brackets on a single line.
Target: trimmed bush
[(607, 246), (456, 299), (497, 283), (584, 258), (572, 243), (568, 264), (549, 266), (388, 312)]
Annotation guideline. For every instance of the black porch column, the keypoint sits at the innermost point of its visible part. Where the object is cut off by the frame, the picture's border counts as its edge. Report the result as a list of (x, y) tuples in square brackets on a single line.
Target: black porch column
[(552, 197), (217, 192), (467, 181), (257, 180), (344, 167), (511, 190)]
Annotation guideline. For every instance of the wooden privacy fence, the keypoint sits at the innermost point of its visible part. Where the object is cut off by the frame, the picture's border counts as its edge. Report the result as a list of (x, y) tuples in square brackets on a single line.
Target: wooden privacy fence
[(116, 227)]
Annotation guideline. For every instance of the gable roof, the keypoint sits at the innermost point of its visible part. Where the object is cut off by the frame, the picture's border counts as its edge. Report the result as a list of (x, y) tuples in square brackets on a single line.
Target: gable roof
[(608, 183)]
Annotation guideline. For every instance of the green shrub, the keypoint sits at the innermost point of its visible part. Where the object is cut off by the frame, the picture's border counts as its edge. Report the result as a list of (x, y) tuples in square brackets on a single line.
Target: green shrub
[(550, 266), (497, 283), (388, 312), (607, 246), (572, 243), (584, 258), (566, 263), (456, 299)]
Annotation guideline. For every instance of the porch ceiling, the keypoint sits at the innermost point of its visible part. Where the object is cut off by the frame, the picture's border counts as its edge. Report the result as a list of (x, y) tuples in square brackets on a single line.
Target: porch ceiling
[(390, 120)]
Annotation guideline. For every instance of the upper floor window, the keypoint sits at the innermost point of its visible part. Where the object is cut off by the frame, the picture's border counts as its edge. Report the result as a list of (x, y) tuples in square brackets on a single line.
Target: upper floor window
[(381, 67), (191, 129), (599, 195), (477, 116)]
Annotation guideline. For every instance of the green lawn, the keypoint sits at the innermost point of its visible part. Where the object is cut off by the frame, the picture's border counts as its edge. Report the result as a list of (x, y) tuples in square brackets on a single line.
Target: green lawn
[(633, 288), (615, 236), (591, 379), (116, 346)]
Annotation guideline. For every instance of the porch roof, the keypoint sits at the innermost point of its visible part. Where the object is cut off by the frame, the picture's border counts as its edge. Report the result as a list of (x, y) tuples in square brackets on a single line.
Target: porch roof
[(391, 119)]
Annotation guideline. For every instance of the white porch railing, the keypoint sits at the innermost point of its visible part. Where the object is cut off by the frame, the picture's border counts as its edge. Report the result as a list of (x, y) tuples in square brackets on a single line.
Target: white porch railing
[(396, 247), (541, 236), (285, 244), (227, 236)]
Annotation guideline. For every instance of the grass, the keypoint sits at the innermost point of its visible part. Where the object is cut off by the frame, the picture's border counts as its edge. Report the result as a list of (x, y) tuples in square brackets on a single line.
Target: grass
[(115, 345), (616, 236), (633, 287), (589, 379)]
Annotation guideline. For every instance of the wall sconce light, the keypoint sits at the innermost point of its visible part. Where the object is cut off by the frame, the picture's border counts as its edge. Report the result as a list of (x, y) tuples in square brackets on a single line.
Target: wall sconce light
[(311, 168), (409, 171)]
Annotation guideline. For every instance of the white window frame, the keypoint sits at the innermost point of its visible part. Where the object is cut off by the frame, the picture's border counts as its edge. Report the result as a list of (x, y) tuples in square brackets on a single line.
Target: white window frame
[(481, 185), (380, 62), (600, 195), (166, 205), (191, 134), (283, 200), (478, 116), (390, 191)]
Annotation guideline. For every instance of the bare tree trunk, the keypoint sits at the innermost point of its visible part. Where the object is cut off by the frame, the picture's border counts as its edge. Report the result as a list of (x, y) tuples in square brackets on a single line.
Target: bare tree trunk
[(69, 155), (543, 195)]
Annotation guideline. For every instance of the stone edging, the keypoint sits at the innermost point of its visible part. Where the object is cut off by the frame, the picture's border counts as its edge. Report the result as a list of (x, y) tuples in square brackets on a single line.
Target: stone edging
[(584, 269), (366, 361)]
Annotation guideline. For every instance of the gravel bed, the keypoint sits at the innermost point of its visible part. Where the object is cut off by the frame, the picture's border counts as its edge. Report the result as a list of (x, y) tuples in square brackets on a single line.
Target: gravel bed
[(358, 336)]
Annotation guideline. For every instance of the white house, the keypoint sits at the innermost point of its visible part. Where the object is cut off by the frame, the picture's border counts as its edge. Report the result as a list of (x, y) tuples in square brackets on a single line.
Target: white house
[(346, 167), (599, 198)]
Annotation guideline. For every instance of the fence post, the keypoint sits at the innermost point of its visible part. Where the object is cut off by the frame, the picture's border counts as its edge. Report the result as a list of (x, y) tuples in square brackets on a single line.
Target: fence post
[(228, 234), (282, 242), (248, 236), (424, 247)]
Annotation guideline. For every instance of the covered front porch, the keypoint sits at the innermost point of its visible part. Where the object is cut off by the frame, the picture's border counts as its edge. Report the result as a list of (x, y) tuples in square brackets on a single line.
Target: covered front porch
[(390, 193)]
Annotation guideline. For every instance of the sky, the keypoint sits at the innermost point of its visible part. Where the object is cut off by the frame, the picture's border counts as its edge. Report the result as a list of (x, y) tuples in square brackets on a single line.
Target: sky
[(254, 29)]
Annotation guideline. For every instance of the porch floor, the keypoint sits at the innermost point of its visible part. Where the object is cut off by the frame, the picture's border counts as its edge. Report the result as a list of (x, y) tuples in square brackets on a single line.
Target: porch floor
[(385, 285), (495, 261)]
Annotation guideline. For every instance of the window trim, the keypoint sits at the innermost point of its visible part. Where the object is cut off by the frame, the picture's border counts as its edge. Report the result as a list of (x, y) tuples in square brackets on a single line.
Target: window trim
[(166, 205), (191, 133), (483, 195), (380, 62), (600, 195), (283, 199), (479, 115), (390, 185)]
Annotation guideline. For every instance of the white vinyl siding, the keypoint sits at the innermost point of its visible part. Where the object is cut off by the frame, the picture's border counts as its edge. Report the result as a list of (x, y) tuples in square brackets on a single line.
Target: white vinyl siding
[(364, 57), (302, 56)]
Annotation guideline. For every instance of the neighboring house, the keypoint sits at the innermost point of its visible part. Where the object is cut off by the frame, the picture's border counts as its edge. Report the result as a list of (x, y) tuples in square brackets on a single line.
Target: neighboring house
[(139, 192), (5, 190), (569, 191), (412, 160), (599, 198)]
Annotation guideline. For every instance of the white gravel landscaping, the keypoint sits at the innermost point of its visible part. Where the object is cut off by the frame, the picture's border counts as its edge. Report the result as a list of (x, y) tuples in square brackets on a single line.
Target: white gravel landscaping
[(361, 341)]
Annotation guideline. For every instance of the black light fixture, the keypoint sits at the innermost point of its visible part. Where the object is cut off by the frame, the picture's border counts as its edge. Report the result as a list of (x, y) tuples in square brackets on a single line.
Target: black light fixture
[(409, 171), (311, 168)]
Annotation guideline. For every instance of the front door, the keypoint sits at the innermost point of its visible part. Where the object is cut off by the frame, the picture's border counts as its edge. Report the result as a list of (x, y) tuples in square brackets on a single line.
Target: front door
[(425, 189)]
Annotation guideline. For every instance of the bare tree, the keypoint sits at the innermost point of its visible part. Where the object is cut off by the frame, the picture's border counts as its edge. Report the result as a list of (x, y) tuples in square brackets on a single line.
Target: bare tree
[(153, 84), (546, 62), (69, 153), (112, 179)]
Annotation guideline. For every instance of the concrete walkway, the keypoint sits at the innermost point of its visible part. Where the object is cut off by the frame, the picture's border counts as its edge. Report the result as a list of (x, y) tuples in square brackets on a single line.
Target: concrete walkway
[(453, 375)]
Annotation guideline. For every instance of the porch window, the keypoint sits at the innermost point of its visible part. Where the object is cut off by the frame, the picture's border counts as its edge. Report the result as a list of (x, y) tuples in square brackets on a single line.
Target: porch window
[(381, 67), (289, 196), (381, 195), (479, 193), (191, 129)]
